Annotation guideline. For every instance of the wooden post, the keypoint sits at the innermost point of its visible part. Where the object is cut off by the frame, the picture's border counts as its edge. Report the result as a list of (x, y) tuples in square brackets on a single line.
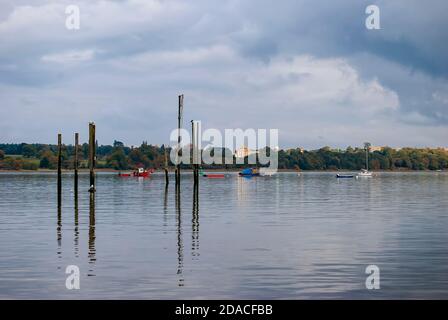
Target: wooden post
[(59, 168), (179, 125), (167, 179), (76, 162), (92, 155), (196, 146)]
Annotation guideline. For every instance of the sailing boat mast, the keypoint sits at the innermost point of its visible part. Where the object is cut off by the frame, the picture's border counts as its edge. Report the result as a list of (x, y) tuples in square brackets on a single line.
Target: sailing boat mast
[(367, 147)]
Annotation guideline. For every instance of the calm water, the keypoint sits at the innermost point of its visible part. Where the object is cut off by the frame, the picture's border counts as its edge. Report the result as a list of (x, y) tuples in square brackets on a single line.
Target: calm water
[(283, 237)]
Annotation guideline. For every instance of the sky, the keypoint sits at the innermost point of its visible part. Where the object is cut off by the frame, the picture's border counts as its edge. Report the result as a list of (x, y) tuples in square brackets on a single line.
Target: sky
[(309, 68)]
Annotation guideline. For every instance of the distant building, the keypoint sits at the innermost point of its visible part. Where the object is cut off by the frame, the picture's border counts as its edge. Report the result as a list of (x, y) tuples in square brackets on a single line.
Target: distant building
[(375, 148), (243, 152)]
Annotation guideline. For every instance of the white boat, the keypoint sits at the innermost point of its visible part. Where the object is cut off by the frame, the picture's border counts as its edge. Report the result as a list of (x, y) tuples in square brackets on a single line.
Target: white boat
[(266, 172), (365, 172)]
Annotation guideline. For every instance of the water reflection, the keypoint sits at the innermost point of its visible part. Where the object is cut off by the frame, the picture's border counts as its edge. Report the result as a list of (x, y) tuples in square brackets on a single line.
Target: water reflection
[(59, 229), (92, 236), (312, 239), (165, 209), (180, 246), (195, 222), (76, 236)]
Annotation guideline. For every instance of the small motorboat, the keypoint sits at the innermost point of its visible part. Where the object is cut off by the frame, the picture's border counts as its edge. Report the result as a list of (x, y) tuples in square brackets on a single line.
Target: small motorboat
[(211, 175), (251, 172), (214, 175), (124, 174), (140, 172), (344, 176)]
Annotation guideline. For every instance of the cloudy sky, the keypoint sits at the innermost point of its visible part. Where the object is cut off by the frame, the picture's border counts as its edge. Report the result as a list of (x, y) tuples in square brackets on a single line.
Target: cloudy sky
[(309, 68)]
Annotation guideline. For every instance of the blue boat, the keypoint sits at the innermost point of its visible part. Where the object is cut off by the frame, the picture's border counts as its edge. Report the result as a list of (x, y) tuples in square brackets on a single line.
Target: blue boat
[(251, 172)]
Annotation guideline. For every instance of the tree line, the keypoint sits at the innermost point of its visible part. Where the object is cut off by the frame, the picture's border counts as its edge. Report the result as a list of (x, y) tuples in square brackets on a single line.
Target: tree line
[(120, 157)]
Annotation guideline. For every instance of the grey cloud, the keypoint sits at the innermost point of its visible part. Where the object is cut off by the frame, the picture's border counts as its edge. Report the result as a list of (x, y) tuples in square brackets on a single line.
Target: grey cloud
[(223, 55)]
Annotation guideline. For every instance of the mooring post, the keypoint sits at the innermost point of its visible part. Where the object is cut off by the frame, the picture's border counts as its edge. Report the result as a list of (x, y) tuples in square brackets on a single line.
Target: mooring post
[(92, 155), (76, 162), (59, 168), (179, 125), (196, 145), (167, 179)]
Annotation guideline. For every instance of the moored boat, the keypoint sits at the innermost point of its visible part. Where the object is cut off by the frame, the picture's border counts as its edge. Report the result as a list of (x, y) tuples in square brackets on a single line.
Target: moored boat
[(365, 172), (251, 172), (214, 175), (124, 174), (267, 172), (140, 172), (344, 176)]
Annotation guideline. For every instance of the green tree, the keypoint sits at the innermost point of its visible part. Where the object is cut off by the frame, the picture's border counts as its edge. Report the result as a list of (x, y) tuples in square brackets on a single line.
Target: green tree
[(117, 160), (48, 160), (29, 151)]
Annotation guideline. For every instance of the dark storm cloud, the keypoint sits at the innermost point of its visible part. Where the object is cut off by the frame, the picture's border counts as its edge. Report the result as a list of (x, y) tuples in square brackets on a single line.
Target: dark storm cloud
[(284, 64)]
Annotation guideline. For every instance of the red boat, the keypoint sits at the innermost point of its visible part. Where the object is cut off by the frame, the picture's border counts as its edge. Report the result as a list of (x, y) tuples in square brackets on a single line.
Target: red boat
[(124, 174), (140, 172), (214, 175)]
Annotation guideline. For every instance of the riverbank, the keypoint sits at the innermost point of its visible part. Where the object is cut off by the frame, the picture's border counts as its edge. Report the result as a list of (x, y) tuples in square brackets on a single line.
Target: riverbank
[(212, 170)]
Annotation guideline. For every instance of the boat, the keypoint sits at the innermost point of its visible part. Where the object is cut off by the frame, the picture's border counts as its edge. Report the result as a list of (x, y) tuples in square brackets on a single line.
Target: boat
[(140, 172), (266, 172), (344, 176), (214, 175), (365, 172), (124, 174), (251, 172), (211, 175)]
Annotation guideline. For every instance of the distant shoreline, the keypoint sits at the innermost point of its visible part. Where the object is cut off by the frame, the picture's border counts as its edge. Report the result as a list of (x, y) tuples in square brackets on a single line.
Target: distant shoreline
[(214, 170)]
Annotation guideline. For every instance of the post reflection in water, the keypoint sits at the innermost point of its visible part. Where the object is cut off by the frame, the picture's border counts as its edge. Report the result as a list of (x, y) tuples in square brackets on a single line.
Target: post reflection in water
[(180, 246), (165, 209), (92, 251), (195, 222), (59, 228), (76, 236)]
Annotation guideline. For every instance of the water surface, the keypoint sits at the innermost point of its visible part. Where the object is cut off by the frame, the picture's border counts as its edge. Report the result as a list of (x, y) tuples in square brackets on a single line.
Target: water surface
[(281, 237)]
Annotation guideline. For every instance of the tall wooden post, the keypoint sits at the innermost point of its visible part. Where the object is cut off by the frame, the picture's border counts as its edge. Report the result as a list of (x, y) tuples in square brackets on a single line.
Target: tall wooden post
[(195, 125), (179, 126), (92, 155), (59, 168), (76, 162)]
